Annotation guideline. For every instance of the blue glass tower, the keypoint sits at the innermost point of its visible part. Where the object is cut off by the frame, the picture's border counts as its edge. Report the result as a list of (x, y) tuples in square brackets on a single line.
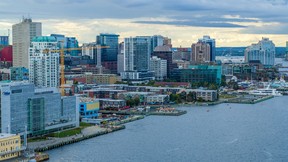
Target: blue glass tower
[(212, 43), (111, 40), (68, 42), (4, 40), (137, 52)]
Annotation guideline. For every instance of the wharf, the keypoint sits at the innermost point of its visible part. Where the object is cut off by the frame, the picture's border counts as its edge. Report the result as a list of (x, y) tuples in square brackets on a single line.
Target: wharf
[(55, 143), (248, 100), (174, 113), (128, 120)]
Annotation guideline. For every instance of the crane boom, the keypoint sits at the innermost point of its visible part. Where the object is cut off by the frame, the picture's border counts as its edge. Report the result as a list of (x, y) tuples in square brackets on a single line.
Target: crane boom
[(62, 65)]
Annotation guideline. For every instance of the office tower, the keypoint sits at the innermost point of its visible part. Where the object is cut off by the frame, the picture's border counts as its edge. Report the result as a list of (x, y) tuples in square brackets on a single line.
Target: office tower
[(263, 51), (108, 55), (212, 43), (67, 42), (167, 41), (4, 41), (22, 34), (120, 58), (165, 53), (44, 62), (200, 52), (159, 66), (89, 49), (156, 40), (181, 54), (137, 52), (41, 110)]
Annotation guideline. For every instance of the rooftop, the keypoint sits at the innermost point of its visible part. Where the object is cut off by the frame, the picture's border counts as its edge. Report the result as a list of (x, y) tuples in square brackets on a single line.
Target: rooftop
[(44, 39), (88, 99), (6, 135), (162, 48)]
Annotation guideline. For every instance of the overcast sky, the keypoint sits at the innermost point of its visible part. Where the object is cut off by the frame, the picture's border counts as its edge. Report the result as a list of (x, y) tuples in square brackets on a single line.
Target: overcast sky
[(230, 22)]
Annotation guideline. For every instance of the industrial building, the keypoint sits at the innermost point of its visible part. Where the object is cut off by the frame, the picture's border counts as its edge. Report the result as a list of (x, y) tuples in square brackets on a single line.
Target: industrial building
[(88, 107)]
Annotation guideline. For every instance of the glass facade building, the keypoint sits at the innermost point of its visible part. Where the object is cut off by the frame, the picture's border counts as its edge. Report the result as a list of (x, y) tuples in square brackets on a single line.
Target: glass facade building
[(212, 43), (67, 42), (111, 40), (19, 73), (4, 41), (137, 52), (40, 110), (198, 73)]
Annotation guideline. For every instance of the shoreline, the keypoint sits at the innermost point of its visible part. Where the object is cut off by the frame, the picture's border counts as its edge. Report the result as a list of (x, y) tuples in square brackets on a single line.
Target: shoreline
[(76, 139), (118, 125)]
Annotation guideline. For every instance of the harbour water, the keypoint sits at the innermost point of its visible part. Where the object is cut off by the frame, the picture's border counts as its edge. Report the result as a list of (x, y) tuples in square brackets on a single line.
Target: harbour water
[(224, 132)]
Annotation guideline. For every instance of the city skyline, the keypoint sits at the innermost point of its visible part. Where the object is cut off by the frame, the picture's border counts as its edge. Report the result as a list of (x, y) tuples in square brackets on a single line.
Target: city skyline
[(232, 24)]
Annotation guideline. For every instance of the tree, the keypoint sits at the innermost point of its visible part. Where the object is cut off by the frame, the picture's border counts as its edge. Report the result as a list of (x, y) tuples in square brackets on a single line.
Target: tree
[(213, 86), (223, 81), (136, 101)]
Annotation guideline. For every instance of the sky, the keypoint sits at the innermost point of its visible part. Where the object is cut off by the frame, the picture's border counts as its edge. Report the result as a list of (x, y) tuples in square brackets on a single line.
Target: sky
[(230, 22)]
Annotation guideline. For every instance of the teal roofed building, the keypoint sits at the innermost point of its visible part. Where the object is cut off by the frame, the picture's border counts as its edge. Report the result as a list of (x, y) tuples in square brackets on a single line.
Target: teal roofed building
[(44, 39), (198, 73)]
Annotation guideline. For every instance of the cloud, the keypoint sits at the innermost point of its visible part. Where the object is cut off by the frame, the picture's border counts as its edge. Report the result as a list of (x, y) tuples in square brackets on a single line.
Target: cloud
[(275, 28), (194, 23), (87, 18)]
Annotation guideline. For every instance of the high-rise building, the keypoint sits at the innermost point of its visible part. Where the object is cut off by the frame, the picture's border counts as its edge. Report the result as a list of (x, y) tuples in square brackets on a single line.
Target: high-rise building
[(200, 52), (263, 51), (44, 62), (89, 49), (72, 42), (159, 66), (167, 41), (111, 40), (156, 40), (4, 41), (120, 58), (137, 52), (165, 53), (212, 43), (109, 54), (22, 34), (67, 42)]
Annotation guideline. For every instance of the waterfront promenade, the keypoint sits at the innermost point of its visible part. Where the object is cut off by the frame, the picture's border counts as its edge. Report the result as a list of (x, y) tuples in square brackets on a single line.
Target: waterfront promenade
[(89, 132)]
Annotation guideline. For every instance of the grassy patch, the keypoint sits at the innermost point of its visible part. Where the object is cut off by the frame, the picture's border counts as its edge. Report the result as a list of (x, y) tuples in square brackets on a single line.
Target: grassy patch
[(36, 139), (226, 96), (84, 125), (66, 133)]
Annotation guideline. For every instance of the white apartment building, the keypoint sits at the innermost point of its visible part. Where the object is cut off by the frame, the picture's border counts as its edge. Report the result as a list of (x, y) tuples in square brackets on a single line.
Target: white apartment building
[(22, 34), (44, 70), (159, 66), (264, 51)]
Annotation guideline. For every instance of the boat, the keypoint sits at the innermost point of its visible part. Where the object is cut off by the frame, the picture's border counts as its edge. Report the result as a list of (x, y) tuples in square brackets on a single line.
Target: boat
[(41, 156), (265, 92)]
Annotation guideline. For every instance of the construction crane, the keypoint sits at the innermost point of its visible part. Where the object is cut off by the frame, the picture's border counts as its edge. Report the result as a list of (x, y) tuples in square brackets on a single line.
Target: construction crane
[(62, 65)]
